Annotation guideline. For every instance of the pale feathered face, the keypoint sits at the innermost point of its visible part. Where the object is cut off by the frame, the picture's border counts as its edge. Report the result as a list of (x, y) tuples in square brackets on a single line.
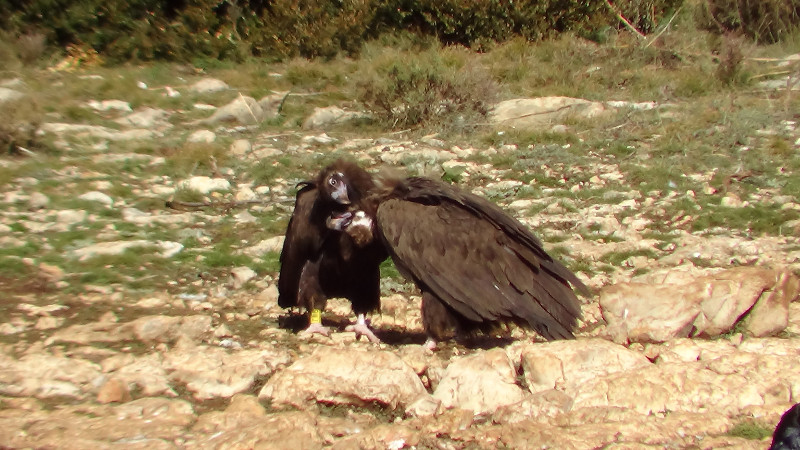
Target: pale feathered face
[(335, 185)]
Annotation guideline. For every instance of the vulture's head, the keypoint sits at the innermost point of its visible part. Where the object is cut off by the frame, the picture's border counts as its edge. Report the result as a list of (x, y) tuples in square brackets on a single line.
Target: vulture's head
[(344, 182), (357, 224)]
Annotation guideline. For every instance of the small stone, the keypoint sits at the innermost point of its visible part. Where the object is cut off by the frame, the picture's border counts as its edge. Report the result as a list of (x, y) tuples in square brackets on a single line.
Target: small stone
[(209, 85), (241, 275), (38, 200), (204, 185), (114, 391), (96, 196), (241, 147), (70, 216), (202, 136)]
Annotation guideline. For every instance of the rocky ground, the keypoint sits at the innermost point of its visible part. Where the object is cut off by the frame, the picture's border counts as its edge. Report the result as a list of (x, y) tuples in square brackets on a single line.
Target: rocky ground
[(131, 324)]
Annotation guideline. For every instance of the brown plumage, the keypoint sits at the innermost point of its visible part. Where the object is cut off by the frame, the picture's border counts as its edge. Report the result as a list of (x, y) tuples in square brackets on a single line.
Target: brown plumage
[(317, 262), (475, 265)]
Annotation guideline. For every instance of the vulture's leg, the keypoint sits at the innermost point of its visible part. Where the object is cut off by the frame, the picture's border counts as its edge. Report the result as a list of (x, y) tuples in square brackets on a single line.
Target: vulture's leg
[(315, 324), (362, 329), (437, 320), (311, 296)]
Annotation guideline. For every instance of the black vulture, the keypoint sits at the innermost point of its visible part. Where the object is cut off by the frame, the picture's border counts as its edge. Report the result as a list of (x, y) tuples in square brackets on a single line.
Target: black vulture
[(317, 262), (787, 433), (475, 265)]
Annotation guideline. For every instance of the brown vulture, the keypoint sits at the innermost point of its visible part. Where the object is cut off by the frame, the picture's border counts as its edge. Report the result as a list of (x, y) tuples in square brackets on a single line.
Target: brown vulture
[(787, 433), (475, 265), (318, 262)]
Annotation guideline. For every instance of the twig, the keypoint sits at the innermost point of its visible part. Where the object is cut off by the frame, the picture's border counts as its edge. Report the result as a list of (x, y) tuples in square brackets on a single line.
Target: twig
[(26, 151), (665, 27), (248, 108), (177, 204), (770, 74), (624, 20)]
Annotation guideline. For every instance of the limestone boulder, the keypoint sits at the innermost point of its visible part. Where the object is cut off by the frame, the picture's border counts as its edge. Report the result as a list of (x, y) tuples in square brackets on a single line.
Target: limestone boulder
[(563, 364), (345, 376), (481, 383), (706, 306), (214, 372), (542, 112)]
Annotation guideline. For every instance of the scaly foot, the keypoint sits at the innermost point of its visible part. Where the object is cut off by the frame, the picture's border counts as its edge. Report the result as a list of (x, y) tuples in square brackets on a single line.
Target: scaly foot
[(429, 345), (362, 329), (316, 328)]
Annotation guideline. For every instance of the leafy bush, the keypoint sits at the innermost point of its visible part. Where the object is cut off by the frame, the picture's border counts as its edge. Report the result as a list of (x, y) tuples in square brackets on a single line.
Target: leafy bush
[(408, 89), (311, 28), (766, 21), (121, 30)]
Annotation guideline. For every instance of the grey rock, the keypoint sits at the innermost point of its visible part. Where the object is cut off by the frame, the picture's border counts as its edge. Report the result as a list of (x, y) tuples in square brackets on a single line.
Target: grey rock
[(542, 112), (37, 200), (481, 382), (209, 85), (246, 110), (349, 377), (43, 375), (146, 118), (166, 249), (97, 131), (109, 105), (241, 147), (213, 372), (202, 136), (241, 275), (9, 95), (71, 216), (330, 115), (706, 306), (99, 197), (205, 185)]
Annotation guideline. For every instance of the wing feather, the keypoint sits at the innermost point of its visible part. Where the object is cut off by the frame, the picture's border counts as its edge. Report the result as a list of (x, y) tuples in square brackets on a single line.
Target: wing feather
[(481, 262), (303, 240)]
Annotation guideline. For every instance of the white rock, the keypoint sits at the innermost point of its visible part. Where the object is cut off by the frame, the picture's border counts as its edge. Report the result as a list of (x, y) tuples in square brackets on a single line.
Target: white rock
[(37, 200), (245, 193), (209, 85), (98, 131), (204, 185), (241, 147), (481, 382), (107, 105), (345, 376), (70, 216), (205, 136), (146, 118), (96, 196), (271, 245), (542, 112), (8, 95), (241, 275)]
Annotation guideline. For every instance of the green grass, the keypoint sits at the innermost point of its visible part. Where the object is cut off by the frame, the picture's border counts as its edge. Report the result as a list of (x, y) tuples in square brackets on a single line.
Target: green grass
[(752, 430), (716, 127)]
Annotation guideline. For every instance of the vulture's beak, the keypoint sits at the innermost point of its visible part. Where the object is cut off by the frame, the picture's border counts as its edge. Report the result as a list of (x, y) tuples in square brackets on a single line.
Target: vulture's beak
[(340, 194), (339, 221)]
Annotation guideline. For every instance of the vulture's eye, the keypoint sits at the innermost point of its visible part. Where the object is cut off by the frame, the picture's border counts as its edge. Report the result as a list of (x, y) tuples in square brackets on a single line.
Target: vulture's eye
[(333, 181)]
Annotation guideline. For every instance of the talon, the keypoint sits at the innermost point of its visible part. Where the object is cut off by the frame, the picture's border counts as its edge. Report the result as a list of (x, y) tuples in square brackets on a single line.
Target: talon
[(429, 345), (361, 329), (316, 328)]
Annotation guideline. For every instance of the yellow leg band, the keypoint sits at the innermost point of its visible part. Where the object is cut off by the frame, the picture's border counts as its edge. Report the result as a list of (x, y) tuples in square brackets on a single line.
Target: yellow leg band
[(316, 316)]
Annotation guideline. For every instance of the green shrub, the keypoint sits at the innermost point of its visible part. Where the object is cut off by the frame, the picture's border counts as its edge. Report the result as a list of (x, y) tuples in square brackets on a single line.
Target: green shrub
[(311, 28), (121, 30), (766, 21), (406, 89)]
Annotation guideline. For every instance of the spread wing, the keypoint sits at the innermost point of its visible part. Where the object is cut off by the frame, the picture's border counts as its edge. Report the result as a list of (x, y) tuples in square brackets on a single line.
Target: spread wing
[(303, 242), (482, 263)]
